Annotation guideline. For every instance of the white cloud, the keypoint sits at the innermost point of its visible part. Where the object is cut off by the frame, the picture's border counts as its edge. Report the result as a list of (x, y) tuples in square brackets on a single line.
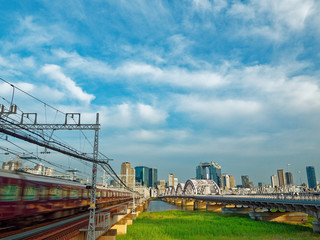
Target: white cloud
[(274, 85), (173, 76), (14, 65), (88, 65), (54, 72), (290, 13), (128, 115), (271, 19), (151, 115), (207, 5), (143, 72), (155, 135), (205, 108)]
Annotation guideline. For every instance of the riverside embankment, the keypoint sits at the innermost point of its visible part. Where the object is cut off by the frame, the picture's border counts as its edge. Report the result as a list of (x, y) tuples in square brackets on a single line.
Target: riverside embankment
[(195, 225)]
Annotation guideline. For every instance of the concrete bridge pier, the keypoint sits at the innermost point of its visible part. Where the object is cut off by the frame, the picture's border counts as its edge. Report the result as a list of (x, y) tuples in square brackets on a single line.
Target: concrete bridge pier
[(110, 235), (215, 207), (316, 226), (188, 203), (145, 206), (236, 209), (199, 205), (285, 217), (121, 227), (177, 202)]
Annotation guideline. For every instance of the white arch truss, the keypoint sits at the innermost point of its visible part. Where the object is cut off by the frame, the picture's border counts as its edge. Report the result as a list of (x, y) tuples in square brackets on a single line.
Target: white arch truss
[(172, 191), (201, 187), (180, 188)]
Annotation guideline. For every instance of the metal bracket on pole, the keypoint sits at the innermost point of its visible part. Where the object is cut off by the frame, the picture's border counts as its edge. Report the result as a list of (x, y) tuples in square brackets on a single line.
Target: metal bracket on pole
[(27, 115), (72, 115), (11, 110)]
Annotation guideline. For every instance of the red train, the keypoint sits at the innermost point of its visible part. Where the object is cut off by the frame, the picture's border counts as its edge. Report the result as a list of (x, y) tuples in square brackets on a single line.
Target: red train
[(25, 198)]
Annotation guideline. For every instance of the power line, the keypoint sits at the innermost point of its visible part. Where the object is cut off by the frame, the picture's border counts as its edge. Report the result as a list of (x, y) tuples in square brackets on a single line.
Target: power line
[(45, 143)]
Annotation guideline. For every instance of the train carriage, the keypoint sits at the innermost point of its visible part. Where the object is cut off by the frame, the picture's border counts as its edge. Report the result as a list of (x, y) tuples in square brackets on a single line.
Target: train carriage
[(29, 197)]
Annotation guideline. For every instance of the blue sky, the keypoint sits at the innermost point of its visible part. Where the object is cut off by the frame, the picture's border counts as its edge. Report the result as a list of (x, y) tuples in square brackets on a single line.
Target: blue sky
[(177, 82)]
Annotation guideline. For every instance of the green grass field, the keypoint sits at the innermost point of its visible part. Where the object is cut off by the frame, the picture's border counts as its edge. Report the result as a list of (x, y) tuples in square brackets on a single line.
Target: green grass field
[(189, 225)]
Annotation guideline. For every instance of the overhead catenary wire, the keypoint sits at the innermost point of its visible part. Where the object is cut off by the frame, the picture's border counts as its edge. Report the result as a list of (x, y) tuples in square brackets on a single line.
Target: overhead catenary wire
[(37, 157), (46, 104), (30, 95), (63, 148)]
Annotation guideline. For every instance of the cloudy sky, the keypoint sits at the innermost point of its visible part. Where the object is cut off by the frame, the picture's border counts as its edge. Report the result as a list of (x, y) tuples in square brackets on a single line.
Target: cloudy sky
[(177, 82)]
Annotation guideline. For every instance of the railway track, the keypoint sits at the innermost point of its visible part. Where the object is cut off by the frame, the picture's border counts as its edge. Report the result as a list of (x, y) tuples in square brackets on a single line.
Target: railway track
[(65, 228)]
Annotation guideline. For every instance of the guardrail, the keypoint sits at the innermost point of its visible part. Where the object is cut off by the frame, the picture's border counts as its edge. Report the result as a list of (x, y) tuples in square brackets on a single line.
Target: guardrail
[(300, 197)]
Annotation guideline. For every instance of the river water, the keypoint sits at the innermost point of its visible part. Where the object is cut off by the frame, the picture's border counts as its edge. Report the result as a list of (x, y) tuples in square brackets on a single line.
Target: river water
[(160, 206)]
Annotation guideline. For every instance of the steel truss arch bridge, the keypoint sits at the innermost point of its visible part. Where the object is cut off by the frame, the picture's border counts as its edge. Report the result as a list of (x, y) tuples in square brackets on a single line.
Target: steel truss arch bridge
[(194, 187)]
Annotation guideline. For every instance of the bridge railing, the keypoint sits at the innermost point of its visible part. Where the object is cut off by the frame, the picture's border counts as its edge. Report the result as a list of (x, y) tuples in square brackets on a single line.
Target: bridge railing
[(302, 197)]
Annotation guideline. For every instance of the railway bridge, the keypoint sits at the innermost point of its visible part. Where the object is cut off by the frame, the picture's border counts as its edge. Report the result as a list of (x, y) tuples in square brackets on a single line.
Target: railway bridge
[(110, 221), (205, 195)]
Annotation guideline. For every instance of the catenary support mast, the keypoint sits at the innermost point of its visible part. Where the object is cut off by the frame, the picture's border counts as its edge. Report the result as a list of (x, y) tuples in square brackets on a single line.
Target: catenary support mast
[(91, 226)]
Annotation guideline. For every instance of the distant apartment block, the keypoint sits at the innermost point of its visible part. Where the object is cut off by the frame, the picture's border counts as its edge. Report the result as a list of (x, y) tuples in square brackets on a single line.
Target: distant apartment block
[(209, 170), (171, 180), (153, 177), (232, 181), (225, 183), (245, 181), (289, 178), (281, 177), (274, 181), (128, 174), (147, 176), (311, 175)]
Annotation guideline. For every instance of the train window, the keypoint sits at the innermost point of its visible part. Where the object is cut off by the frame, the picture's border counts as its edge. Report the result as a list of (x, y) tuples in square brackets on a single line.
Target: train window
[(30, 193), (55, 193), (9, 192), (98, 194), (64, 193), (43, 193), (104, 194), (87, 194), (74, 193)]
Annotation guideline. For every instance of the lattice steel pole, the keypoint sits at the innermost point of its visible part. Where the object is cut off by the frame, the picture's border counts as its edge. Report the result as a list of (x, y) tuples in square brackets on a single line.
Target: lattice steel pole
[(91, 226), (133, 205)]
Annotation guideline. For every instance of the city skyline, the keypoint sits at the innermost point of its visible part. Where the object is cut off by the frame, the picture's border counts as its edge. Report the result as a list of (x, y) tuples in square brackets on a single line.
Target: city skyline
[(207, 170), (175, 84)]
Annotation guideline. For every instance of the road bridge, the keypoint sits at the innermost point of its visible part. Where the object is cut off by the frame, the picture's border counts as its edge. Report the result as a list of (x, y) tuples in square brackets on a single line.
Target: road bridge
[(206, 195)]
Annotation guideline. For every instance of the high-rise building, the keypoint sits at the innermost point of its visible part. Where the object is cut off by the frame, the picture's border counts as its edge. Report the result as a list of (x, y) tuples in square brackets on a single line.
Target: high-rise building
[(261, 184), (281, 177), (232, 181), (128, 174), (153, 177), (142, 175), (171, 180), (161, 183), (175, 183), (225, 181), (274, 181), (289, 178), (311, 175), (147, 176), (209, 171), (245, 181)]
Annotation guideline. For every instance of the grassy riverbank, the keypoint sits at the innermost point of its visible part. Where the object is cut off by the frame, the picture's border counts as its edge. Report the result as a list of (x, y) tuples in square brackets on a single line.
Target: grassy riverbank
[(189, 225)]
